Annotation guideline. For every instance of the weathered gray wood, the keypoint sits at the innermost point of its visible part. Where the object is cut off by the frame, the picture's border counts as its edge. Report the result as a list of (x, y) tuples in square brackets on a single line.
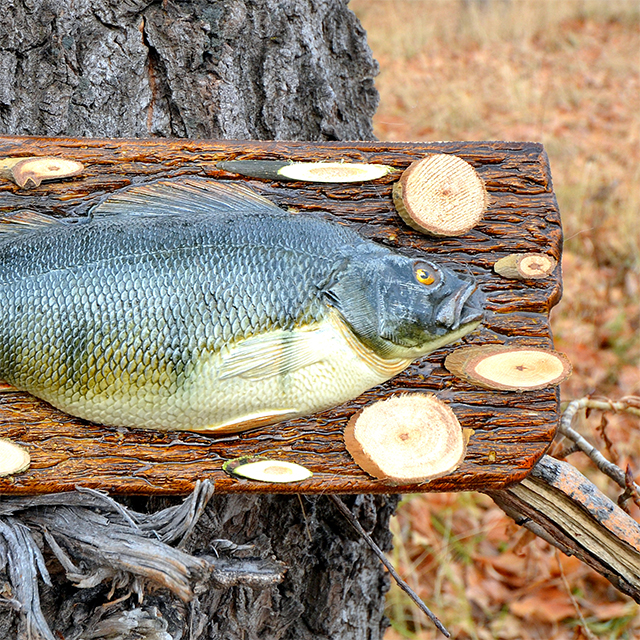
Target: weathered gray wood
[(559, 504), (141, 68), (95, 539)]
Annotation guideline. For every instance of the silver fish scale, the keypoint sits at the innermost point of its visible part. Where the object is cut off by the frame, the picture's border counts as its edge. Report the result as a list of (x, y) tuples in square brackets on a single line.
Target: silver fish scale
[(129, 305)]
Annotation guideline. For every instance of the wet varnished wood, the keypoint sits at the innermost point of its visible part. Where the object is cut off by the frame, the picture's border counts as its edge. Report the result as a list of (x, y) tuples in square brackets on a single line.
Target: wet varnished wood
[(511, 430)]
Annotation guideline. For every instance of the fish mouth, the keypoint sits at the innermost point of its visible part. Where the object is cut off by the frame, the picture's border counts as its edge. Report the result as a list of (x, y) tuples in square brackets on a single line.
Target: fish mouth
[(463, 308)]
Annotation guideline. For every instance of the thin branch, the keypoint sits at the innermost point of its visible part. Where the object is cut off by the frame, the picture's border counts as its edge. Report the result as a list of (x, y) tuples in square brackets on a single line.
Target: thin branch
[(376, 549), (574, 602), (629, 404)]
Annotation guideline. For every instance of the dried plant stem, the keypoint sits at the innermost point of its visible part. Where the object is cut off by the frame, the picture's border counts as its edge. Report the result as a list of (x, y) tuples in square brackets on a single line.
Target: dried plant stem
[(399, 581), (629, 404), (574, 602)]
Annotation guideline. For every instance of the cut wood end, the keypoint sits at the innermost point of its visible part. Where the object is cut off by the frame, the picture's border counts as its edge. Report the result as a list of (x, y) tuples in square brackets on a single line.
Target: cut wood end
[(334, 171), (406, 439), (524, 266), (266, 470), (13, 458), (509, 368), (441, 195), (30, 172)]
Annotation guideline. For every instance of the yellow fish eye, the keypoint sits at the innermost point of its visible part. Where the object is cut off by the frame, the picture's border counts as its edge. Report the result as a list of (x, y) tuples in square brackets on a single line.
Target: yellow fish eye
[(424, 277)]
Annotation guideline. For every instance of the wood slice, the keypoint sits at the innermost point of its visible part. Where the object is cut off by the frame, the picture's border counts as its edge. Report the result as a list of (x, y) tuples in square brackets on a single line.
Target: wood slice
[(266, 470), (506, 368), (524, 266), (334, 171), (31, 172), (405, 439), (441, 195), (307, 171), (13, 458)]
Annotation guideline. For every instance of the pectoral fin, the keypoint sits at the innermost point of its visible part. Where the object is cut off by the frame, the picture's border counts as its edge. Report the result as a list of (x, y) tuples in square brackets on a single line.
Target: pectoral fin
[(273, 354)]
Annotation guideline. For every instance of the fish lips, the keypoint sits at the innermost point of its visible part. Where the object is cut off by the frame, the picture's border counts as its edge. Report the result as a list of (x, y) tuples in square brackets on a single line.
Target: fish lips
[(464, 307)]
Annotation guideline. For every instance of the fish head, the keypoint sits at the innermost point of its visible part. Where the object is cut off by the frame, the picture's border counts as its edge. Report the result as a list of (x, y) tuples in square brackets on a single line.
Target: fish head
[(403, 307)]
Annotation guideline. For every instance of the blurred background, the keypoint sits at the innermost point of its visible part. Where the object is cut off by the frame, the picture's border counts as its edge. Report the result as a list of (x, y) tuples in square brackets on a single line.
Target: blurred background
[(565, 73)]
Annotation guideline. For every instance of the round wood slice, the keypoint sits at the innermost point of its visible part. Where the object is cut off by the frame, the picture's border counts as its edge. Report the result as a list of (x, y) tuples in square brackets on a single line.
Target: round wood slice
[(507, 368), (406, 439), (524, 266), (34, 171), (13, 458), (266, 470), (441, 195)]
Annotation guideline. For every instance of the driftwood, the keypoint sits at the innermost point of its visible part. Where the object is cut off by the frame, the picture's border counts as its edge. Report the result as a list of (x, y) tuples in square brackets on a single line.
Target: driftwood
[(511, 430), (557, 503), (96, 539)]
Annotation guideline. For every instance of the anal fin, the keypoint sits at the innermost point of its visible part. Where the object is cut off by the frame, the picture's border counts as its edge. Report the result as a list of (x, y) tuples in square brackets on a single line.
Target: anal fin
[(250, 421)]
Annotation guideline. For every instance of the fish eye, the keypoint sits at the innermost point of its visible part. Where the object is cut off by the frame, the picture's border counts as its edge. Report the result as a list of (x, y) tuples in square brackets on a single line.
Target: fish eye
[(424, 276)]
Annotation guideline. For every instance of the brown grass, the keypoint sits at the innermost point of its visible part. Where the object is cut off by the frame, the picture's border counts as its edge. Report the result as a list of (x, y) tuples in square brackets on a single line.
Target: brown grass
[(565, 73)]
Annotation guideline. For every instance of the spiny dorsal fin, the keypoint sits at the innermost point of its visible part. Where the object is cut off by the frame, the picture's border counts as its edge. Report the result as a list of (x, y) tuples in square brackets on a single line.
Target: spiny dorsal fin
[(25, 220), (187, 195)]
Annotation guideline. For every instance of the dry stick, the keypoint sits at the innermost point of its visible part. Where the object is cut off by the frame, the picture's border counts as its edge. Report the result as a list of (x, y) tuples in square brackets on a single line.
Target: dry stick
[(630, 404), (307, 171), (376, 549), (574, 602)]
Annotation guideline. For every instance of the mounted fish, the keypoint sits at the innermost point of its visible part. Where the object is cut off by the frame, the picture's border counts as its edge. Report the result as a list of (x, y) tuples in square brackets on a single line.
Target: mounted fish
[(202, 306)]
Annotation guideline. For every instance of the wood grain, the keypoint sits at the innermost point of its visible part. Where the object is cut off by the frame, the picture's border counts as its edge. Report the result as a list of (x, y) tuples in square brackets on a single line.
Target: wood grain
[(511, 430)]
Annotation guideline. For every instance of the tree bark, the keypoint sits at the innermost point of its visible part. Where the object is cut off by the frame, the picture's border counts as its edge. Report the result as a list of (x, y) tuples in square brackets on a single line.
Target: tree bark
[(298, 69)]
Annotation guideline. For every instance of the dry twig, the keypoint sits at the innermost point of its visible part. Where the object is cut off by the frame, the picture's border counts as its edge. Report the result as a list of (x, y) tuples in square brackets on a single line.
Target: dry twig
[(629, 404), (390, 568)]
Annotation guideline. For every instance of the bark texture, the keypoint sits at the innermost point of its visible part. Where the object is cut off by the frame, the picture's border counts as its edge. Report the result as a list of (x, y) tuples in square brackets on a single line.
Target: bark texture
[(296, 69), (246, 69)]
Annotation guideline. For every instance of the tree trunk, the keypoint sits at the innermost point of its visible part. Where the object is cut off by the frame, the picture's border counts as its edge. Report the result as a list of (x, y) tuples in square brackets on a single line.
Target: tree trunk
[(297, 69)]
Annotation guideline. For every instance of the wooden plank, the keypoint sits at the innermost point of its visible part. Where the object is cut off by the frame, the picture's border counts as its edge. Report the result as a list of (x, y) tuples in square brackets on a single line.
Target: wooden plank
[(511, 430)]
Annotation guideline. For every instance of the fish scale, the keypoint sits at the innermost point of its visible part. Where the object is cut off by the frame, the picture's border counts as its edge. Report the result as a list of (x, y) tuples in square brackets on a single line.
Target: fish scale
[(196, 305)]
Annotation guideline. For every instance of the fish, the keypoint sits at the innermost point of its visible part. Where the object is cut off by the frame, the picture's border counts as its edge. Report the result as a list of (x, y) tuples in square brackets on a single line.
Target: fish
[(200, 305)]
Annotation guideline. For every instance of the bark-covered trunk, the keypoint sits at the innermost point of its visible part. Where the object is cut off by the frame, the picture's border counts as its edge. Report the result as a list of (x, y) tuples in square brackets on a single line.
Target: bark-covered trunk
[(296, 69)]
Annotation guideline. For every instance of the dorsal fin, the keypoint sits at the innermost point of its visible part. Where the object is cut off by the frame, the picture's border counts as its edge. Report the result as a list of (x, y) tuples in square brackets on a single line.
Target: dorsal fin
[(188, 195), (25, 220)]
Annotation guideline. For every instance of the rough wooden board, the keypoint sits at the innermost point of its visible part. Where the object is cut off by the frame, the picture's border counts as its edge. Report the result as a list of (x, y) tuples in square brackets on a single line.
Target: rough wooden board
[(512, 430)]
